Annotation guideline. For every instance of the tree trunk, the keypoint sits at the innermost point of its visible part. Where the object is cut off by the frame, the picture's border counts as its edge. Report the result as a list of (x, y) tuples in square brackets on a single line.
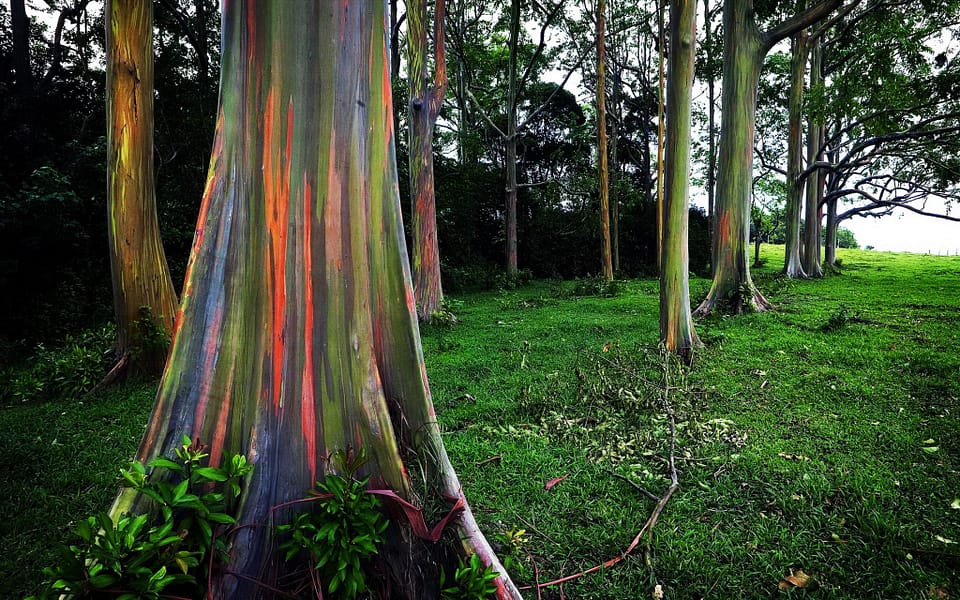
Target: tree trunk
[(743, 54), (792, 266), (711, 128), (811, 233), (830, 243), (510, 160), (614, 189), (298, 334), (144, 299), (20, 23), (605, 252), (425, 103), (676, 323)]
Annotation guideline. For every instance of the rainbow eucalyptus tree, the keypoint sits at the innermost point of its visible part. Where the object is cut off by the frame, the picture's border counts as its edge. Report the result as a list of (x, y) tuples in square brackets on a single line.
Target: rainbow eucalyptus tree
[(297, 335), (792, 266), (812, 213), (744, 47), (144, 299), (676, 323), (604, 179), (426, 98)]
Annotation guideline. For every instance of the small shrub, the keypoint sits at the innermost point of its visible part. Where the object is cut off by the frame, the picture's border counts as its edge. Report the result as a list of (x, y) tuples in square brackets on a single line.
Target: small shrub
[(596, 286), (68, 371), (471, 581), (340, 536), (152, 554)]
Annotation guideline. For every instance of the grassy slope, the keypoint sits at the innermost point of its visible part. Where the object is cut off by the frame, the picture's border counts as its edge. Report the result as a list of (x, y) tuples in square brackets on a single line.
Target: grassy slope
[(800, 448)]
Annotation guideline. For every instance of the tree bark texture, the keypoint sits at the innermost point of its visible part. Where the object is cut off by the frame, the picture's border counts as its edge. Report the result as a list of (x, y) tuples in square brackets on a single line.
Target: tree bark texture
[(676, 323), (426, 98), (711, 128), (830, 237), (604, 179), (811, 232), (297, 335), (792, 266), (144, 300)]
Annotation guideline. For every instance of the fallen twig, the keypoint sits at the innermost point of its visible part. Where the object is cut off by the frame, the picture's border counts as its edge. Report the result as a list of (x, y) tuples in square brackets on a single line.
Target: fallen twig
[(635, 485)]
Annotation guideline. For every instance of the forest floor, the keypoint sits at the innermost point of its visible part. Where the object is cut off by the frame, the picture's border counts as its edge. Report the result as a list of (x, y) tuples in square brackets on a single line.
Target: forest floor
[(817, 446)]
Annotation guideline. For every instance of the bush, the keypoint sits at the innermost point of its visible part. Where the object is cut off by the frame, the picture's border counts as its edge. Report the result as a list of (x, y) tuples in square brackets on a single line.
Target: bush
[(68, 371)]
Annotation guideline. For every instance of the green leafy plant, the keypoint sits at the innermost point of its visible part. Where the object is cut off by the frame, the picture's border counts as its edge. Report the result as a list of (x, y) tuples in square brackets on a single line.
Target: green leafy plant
[(595, 286), (342, 533), (471, 581), (511, 551), (141, 556)]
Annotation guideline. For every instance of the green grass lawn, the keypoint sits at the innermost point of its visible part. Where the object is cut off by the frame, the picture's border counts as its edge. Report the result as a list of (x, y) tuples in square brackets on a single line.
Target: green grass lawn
[(820, 439)]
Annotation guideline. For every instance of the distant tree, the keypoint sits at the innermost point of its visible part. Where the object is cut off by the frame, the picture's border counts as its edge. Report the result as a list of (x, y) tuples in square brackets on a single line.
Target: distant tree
[(425, 100), (144, 299), (846, 239), (676, 323), (298, 334), (745, 46)]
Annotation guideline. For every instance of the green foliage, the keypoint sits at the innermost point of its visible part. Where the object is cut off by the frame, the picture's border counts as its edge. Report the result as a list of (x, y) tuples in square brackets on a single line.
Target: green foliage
[(340, 536), (597, 286), (66, 372), (511, 552), (142, 556), (846, 239), (471, 581)]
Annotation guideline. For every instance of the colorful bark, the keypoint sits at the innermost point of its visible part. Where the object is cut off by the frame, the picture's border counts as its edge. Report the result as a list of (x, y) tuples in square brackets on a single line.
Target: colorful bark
[(143, 295), (605, 246), (792, 266), (297, 335), (676, 323), (812, 218), (425, 102)]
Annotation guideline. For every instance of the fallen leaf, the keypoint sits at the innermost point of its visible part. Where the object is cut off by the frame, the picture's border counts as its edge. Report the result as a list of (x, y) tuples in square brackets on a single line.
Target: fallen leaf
[(940, 538), (786, 456), (928, 442), (552, 482), (606, 347), (930, 449), (796, 579), (937, 592), (955, 505)]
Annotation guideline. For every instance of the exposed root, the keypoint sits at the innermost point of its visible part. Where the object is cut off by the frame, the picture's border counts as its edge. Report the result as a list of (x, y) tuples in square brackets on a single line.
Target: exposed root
[(119, 372), (746, 300)]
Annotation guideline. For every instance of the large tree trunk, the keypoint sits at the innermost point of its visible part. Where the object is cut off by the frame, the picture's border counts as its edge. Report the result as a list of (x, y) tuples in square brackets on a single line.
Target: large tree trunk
[(743, 53), (744, 47), (425, 103), (605, 251), (811, 232), (20, 23), (792, 266), (676, 323), (144, 299), (298, 334)]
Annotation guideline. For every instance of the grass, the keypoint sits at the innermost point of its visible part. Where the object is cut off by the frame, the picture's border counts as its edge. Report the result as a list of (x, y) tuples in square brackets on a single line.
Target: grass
[(803, 438)]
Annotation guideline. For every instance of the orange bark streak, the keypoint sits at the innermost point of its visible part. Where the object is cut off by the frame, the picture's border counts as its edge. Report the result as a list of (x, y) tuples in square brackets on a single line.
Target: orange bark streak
[(308, 417)]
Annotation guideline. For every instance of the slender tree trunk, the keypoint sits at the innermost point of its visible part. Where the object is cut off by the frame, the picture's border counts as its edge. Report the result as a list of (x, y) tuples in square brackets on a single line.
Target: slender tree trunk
[(426, 98), (605, 252), (20, 24), (743, 53), (711, 128), (830, 242), (298, 334), (394, 40), (676, 323), (811, 233), (510, 160), (792, 266), (144, 299), (614, 189)]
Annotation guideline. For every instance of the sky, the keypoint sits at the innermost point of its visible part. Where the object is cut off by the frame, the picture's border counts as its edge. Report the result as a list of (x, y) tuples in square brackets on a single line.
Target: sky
[(907, 232)]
